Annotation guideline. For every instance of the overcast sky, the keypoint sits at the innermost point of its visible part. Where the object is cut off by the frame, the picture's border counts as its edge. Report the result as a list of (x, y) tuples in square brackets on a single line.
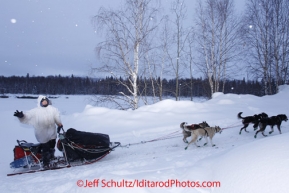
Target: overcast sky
[(50, 37)]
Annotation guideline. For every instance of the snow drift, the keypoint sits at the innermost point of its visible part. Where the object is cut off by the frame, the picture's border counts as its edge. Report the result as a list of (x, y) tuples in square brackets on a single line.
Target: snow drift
[(240, 163)]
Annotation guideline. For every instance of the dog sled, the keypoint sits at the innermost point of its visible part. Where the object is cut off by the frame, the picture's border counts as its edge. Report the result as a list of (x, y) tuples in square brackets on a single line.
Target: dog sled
[(77, 147)]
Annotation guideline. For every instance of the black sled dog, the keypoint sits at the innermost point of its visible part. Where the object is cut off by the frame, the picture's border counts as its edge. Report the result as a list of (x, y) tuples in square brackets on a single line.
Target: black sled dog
[(255, 119), (272, 121)]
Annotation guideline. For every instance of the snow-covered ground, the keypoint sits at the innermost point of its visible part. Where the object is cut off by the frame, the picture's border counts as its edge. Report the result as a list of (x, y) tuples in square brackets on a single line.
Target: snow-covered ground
[(238, 163)]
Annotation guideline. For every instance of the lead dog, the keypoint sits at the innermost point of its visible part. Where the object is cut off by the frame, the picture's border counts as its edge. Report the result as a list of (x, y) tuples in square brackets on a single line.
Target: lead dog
[(255, 119), (187, 133), (204, 132), (272, 121)]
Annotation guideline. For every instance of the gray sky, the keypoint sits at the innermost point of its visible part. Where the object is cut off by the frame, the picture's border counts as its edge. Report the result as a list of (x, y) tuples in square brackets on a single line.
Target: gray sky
[(50, 37)]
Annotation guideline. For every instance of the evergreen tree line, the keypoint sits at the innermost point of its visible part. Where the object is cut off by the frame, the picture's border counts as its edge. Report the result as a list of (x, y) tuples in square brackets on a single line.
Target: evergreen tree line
[(71, 85)]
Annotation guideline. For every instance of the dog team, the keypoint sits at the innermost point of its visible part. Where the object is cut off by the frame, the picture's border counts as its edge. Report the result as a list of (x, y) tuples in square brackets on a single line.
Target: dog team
[(197, 131), (262, 120)]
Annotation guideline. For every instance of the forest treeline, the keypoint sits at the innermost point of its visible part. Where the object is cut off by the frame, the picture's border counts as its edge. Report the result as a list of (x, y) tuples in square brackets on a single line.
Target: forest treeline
[(71, 85), (214, 39)]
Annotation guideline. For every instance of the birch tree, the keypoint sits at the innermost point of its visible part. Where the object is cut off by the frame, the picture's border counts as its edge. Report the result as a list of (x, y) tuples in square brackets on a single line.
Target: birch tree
[(280, 40), (190, 56), (175, 50), (266, 27), (257, 27), (218, 42), (127, 31)]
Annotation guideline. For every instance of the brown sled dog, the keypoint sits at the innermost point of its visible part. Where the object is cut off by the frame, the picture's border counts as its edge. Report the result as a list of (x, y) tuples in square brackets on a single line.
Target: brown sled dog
[(186, 133), (206, 132)]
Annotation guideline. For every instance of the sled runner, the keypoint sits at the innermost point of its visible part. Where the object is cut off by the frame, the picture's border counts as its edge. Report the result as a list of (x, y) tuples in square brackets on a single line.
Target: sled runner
[(78, 148)]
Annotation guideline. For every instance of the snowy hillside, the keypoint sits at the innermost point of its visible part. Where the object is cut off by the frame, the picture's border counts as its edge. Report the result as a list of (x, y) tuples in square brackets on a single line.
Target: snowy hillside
[(238, 163)]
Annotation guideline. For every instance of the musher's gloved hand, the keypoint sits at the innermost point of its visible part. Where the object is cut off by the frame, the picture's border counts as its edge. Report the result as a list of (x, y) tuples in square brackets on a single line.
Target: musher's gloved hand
[(59, 128), (18, 114)]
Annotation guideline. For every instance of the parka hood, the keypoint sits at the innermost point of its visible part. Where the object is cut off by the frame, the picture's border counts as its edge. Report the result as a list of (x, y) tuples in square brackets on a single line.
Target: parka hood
[(40, 97)]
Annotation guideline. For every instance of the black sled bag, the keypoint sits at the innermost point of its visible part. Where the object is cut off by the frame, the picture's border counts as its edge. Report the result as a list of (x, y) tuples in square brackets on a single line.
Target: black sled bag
[(87, 138), (81, 145)]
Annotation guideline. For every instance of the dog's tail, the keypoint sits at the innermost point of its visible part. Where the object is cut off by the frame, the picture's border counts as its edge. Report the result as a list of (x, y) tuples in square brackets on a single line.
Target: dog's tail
[(239, 115)]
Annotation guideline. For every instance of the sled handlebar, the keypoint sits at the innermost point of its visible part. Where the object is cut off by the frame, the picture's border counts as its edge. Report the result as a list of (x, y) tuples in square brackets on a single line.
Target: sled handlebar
[(20, 142), (61, 135), (60, 128)]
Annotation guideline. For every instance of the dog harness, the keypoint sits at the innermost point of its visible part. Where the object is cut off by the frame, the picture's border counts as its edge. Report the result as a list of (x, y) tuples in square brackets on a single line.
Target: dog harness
[(206, 132)]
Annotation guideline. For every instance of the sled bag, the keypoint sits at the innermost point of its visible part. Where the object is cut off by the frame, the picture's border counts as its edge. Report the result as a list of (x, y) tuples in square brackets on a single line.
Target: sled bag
[(19, 152), (22, 162), (75, 152), (87, 138)]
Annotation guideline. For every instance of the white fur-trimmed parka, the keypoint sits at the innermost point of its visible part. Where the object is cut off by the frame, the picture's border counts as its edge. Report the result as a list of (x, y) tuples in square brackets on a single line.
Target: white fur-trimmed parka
[(44, 121)]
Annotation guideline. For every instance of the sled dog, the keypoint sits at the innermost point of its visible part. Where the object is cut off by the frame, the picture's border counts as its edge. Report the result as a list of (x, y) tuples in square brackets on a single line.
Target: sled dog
[(206, 132), (272, 121), (255, 119), (187, 132)]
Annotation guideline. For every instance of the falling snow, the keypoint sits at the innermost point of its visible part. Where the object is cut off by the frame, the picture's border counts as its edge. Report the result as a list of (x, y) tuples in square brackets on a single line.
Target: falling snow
[(13, 20)]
